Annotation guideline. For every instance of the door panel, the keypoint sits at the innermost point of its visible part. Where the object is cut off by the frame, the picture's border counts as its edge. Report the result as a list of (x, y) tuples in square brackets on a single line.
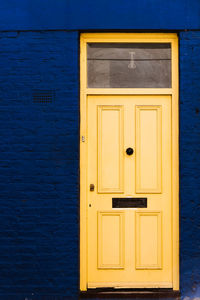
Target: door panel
[(148, 241), (110, 149), (129, 247), (148, 144), (110, 240)]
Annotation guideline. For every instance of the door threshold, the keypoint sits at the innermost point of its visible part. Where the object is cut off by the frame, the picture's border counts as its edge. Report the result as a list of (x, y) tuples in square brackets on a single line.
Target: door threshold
[(130, 293)]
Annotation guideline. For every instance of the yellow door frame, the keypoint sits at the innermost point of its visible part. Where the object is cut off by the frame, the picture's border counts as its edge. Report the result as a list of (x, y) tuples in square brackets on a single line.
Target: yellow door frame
[(85, 91)]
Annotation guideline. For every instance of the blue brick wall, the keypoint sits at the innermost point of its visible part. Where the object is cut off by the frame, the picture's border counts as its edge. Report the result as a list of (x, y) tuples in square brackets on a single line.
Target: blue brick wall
[(39, 148), (190, 162), (39, 177)]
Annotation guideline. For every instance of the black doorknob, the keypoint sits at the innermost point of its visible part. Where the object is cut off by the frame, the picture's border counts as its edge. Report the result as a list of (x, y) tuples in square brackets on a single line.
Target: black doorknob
[(129, 151)]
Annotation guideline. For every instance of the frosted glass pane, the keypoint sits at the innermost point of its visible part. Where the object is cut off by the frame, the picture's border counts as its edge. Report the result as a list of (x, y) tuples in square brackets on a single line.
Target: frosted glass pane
[(135, 65)]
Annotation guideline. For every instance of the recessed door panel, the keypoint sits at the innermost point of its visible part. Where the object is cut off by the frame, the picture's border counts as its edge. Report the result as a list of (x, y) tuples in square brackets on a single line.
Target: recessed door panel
[(110, 240), (110, 149), (149, 149), (148, 234)]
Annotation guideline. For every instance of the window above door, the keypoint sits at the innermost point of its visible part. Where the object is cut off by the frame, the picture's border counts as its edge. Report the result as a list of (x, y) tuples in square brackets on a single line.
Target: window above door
[(129, 65)]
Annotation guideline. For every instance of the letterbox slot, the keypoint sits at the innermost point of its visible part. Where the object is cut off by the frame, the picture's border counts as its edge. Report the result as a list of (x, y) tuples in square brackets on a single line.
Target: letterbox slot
[(129, 202)]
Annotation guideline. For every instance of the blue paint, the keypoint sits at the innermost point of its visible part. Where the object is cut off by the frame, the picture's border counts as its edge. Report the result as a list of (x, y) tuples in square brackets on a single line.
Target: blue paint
[(99, 14), (39, 165), (190, 162), (39, 144)]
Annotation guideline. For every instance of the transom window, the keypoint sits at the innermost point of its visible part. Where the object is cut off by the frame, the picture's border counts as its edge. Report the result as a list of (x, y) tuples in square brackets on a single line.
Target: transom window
[(129, 65)]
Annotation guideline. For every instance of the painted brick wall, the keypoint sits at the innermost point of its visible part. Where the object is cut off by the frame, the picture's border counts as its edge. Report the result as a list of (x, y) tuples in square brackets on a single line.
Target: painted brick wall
[(190, 162), (39, 147), (39, 164)]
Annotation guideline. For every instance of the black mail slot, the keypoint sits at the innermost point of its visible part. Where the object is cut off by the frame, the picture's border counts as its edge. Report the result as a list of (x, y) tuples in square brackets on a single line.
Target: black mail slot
[(129, 202)]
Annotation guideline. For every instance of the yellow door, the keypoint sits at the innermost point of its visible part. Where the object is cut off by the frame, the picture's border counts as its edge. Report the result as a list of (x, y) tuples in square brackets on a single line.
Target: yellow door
[(129, 191)]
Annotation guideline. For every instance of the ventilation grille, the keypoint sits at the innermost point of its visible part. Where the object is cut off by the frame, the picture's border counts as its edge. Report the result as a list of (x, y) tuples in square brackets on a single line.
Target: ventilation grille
[(43, 96)]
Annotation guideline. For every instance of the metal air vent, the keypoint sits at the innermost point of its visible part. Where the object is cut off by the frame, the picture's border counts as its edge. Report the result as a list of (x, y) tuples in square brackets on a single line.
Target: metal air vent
[(43, 96)]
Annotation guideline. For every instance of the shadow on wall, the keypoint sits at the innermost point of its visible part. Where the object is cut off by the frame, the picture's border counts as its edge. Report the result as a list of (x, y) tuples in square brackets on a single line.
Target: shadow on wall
[(146, 298)]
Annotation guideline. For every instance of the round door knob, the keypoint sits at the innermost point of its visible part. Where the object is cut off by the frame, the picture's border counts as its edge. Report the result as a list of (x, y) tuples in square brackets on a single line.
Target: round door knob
[(129, 151)]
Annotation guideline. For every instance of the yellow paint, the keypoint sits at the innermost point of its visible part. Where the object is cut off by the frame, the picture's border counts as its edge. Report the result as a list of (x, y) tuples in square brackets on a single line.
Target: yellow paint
[(113, 242), (148, 136), (146, 238), (149, 239), (110, 148), (128, 285), (110, 251)]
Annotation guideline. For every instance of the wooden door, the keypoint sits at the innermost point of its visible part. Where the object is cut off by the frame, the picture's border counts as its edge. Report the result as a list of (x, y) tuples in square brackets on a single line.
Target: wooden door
[(129, 191)]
